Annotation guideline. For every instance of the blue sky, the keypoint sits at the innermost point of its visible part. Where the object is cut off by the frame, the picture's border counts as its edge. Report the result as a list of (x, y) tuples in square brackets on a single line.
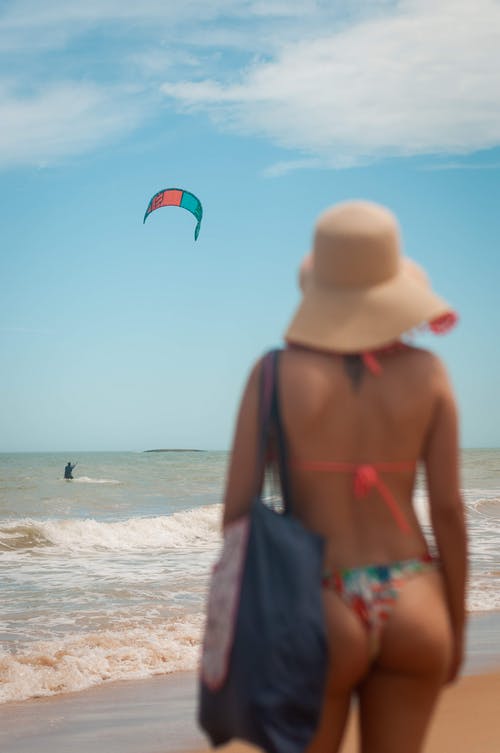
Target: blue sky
[(116, 335)]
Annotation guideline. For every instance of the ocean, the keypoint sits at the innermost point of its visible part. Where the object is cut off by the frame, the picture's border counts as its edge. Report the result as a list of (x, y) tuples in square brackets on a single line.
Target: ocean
[(104, 577)]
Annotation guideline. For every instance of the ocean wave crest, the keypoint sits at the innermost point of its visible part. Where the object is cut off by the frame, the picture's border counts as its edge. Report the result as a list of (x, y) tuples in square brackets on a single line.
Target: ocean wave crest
[(487, 506), (21, 535), (197, 528), (77, 662)]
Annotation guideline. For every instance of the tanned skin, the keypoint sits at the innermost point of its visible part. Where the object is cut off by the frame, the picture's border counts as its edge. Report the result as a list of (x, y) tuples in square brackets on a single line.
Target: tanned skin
[(407, 413)]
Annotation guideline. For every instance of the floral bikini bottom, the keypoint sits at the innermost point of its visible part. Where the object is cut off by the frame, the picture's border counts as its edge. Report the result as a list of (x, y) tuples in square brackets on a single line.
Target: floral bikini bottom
[(372, 590)]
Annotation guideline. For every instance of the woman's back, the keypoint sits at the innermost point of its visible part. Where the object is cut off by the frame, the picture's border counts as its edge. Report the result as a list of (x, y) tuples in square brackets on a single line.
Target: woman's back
[(335, 424)]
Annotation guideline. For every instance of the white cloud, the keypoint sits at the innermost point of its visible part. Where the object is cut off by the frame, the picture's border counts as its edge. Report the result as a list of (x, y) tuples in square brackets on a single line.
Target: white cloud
[(46, 116), (462, 166), (251, 25), (29, 26), (423, 80), (335, 82), (286, 166), (61, 120)]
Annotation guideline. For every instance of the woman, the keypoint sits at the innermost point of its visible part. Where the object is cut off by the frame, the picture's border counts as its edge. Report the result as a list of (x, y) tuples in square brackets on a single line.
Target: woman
[(360, 410)]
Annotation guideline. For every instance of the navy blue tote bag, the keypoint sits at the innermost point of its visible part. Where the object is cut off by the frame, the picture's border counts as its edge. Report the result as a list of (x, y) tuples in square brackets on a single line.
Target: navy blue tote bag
[(264, 656)]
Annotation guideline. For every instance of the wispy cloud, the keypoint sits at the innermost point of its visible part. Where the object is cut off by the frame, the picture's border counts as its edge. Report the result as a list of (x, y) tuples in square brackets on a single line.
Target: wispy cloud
[(462, 166), (422, 80), (335, 83), (286, 166), (60, 120), (77, 75)]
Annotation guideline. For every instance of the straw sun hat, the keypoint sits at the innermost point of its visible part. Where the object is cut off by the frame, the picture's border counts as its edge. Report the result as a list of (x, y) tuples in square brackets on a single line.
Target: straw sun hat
[(359, 292)]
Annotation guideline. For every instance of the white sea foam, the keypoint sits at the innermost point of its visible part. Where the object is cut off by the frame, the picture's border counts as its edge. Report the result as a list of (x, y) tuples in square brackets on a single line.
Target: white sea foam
[(192, 528), (421, 506), (88, 480), (482, 509), (484, 594), (80, 661)]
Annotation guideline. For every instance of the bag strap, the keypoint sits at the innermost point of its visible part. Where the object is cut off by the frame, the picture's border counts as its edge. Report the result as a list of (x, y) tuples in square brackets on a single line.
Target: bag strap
[(264, 418), (271, 426), (279, 435)]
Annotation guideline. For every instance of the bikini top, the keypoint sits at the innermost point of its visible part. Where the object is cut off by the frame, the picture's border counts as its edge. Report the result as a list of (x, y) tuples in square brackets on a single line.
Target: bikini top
[(366, 476)]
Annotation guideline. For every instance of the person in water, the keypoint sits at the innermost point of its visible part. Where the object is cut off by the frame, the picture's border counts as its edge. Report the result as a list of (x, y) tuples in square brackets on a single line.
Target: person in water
[(361, 410), (68, 470)]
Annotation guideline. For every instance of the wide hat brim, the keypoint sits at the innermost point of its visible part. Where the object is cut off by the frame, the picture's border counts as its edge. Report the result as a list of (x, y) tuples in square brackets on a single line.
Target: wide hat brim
[(352, 320)]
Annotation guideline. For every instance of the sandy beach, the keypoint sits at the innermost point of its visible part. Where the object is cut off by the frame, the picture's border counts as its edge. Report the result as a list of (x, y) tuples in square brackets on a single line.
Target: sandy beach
[(466, 722), (158, 715)]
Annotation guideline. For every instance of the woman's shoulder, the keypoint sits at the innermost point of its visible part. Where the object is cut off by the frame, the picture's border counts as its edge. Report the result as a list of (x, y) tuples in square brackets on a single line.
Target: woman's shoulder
[(425, 363), (424, 356)]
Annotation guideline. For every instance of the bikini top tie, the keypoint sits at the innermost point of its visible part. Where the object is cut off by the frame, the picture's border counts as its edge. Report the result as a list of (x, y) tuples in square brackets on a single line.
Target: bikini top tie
[(366, 476)]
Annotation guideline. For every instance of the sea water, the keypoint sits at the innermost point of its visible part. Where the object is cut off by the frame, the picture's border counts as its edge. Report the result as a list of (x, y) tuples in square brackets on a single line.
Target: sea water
[(104, 577)]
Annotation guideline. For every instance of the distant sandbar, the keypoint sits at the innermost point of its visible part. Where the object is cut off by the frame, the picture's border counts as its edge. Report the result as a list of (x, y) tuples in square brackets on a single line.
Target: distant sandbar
[(174, 449)]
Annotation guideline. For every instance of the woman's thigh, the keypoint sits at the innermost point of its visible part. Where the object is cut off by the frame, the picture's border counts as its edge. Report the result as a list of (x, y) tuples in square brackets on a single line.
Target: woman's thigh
[(399, 693), (349, 660)]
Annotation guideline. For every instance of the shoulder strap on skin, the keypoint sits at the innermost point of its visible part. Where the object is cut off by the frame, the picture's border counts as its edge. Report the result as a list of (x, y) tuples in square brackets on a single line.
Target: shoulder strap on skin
[(264, 417), (278, 435), (265, 398)]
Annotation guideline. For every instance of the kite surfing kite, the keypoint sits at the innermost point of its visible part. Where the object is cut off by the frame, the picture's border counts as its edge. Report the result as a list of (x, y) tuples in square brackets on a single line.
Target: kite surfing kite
[(177, 197)]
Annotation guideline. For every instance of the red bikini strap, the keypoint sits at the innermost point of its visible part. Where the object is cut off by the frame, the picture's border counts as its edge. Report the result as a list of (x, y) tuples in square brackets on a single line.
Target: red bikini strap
[(371, 363), (366, 477), (345, 467)]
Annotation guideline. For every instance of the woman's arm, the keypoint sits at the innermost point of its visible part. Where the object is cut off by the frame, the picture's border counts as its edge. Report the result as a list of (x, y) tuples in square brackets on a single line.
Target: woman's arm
[(242, 482), (447, 511)]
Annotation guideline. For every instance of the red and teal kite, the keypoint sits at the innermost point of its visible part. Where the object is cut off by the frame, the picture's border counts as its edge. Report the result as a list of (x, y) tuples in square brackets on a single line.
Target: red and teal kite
[(177, 197)]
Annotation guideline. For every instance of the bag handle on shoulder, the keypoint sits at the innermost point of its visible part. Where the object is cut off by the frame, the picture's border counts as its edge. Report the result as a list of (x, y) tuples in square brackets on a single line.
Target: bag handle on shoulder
[(264, 417), (271, 425)]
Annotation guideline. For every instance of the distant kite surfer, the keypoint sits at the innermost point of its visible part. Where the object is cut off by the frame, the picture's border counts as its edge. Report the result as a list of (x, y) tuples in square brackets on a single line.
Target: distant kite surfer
[(68, 470)]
